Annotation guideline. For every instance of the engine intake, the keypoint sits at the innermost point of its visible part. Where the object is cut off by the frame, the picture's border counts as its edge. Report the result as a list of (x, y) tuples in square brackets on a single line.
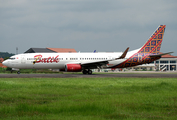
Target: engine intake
[(73, 68)]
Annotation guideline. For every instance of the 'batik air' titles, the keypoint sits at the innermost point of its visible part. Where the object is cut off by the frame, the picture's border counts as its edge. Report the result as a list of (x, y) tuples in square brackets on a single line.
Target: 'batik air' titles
[(50, 59), (151, 47)]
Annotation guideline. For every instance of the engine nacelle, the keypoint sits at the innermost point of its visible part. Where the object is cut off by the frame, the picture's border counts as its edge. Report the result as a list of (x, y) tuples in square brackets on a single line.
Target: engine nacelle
[(73, 68)]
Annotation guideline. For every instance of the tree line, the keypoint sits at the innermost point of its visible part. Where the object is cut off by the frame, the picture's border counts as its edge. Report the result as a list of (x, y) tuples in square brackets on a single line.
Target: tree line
[(5, 55)]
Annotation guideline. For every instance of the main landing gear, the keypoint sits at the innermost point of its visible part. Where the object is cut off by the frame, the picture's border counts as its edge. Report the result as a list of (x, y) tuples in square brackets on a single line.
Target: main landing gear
[(87, 71)]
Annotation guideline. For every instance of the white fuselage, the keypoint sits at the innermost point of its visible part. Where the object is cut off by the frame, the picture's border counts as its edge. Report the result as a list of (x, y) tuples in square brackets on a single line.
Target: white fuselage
[(59, 60)]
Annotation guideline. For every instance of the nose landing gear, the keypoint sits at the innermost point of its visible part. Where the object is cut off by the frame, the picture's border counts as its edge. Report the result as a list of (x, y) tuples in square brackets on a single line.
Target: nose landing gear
[(14, 69)]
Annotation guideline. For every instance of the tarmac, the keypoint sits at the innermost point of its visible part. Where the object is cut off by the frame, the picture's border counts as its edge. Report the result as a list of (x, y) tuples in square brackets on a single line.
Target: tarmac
[(96, 75)]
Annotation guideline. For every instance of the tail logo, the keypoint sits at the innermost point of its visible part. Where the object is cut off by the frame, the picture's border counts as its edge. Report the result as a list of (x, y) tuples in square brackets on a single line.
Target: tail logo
[(154, 43), (152, 46)]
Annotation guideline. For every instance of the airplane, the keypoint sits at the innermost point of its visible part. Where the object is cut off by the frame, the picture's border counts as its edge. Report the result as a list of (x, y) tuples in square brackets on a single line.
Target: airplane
[(85, 62)]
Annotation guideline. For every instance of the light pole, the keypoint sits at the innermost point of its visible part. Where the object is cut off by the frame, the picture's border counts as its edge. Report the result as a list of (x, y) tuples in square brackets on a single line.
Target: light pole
[(16, 50)]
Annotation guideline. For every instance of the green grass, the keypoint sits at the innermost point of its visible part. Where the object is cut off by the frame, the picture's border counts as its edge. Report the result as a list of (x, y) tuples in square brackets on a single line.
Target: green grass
[(88, 98)]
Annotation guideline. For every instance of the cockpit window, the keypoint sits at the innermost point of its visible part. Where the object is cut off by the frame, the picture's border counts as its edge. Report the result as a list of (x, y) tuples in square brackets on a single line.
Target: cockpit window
[(12, 58)]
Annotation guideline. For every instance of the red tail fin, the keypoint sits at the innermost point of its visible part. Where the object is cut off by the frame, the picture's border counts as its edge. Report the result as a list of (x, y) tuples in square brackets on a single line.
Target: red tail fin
[(151, 47), (154, 43)]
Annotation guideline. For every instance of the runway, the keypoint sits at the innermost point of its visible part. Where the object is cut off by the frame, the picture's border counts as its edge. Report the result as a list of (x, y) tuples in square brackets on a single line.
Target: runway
[(137, 75)]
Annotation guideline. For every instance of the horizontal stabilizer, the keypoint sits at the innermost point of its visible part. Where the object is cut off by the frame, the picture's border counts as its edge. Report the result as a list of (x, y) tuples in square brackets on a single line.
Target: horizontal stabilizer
[(159, 55)]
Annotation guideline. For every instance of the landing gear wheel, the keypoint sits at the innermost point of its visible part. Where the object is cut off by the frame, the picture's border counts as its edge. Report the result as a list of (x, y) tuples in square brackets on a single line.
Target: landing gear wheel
[(18, 72), (84, 72), (89, 72)]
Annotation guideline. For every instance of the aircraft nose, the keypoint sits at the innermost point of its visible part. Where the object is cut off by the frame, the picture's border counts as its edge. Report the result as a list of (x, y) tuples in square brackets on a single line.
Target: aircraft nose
[(4, 63)]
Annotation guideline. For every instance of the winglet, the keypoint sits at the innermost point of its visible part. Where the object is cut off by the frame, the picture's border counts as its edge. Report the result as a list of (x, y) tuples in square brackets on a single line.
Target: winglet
[(159, 55), (124, 54)]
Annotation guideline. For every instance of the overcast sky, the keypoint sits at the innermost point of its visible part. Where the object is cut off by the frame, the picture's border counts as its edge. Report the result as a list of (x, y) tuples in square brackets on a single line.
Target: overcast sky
[(85, 25)]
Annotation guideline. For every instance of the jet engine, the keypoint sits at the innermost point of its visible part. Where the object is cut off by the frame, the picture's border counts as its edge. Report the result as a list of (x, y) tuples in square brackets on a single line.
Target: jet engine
[(73, 68)]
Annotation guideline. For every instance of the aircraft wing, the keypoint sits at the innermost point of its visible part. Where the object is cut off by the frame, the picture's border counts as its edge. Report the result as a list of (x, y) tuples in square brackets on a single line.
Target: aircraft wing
[(159, 55), (92, 65)]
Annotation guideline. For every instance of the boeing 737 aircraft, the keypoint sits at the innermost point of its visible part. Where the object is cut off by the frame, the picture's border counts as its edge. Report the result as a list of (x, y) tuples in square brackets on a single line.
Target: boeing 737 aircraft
[(77, 62)]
